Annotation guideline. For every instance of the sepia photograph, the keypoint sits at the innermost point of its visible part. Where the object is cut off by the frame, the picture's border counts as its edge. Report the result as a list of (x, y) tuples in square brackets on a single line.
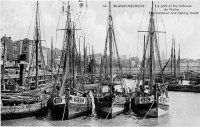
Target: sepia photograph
[(100, 63)]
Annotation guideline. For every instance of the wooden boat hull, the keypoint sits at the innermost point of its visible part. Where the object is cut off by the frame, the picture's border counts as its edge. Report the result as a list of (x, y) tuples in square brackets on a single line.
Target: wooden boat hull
[(184, 88), (13, 112), (110, 107), (74, 106), (150, 107), (22, 104)]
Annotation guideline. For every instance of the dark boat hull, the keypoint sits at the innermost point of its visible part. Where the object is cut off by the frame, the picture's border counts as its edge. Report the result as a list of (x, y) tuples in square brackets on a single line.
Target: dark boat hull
[(151, 108), (74, 107), (109, 108), (184, 88)]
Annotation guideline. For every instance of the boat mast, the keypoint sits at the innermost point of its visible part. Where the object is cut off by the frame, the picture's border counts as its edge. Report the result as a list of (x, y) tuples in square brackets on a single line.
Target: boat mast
[(130, 63), (52, 61), (89, 58), (179, 69), (70, 51), (73, 55), (79, 59), (86, 59), (84, 65), (110, 42), (171, 58), (93, 62), (101, 68), (37, 42), (144, 61), (174, 60), (79, 46), (151, 46), (126, 68), (67, 53)]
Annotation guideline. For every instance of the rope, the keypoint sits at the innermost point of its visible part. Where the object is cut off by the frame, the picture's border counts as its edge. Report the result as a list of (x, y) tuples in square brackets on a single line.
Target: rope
[(162, 19), (164, 30), (142, 17), (73, 12), (30, 23), (116, 48), (64, 111), (40, 15), (148, 110), (78, 15), (57, 27), (165, 46)]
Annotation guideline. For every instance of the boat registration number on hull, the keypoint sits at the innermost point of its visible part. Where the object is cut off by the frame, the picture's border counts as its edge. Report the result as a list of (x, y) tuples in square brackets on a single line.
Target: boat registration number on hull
[(77, 100), (143, 100)]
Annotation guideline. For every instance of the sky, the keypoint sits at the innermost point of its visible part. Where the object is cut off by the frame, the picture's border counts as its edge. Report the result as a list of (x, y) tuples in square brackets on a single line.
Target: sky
[(17, 22)]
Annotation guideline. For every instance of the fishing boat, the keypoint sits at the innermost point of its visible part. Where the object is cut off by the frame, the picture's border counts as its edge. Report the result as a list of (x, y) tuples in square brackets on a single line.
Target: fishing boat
[(173, 78), (109, 102), (15, 106), (69, 100), (88, 73), (150, 98), (90, 76), (18, 103)]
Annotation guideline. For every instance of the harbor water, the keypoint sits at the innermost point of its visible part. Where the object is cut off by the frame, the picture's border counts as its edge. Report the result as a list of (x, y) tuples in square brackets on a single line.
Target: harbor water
[(184, 111)]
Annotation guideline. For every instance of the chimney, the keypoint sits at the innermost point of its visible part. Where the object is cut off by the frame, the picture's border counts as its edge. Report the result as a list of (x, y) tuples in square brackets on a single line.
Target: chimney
[(22, 60)]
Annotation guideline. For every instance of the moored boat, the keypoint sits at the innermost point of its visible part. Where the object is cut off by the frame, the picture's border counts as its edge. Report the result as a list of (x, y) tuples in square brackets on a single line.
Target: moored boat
[(18, 102), (71, 106), (152, 105), (68, 99), (184, 88), (111, 105), (150, 98), (110, 100), (13, 107)]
